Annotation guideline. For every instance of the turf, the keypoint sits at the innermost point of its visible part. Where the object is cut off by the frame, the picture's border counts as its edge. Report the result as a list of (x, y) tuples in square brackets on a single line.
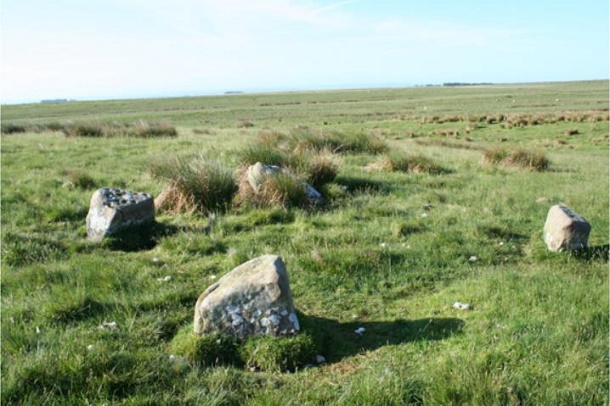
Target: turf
[(391, 251)]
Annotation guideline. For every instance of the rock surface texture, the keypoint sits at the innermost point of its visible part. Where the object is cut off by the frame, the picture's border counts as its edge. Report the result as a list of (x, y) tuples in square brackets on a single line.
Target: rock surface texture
[(252, 299), (113, 209), (565, 229)]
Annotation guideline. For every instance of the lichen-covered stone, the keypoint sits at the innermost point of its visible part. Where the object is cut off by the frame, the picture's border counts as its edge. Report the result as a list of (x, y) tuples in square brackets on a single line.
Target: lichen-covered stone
[(113, 209), (565, 229), (252, 299)]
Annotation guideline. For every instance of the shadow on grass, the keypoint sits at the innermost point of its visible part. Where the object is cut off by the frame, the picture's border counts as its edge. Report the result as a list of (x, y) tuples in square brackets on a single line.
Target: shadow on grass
[(502, 233), (596, 253), (141, 237), (360, 185), (336, 340)]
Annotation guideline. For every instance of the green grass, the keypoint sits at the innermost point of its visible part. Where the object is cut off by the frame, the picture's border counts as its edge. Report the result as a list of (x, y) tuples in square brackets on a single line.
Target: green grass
[(202, 184), (391, 251)]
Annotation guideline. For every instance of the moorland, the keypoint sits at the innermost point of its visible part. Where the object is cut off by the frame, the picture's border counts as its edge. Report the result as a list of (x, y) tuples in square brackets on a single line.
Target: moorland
[(433, 196)]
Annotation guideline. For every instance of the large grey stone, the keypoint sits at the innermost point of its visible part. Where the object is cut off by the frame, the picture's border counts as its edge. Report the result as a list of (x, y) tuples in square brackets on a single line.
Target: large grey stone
[(112, 209), (252, 299), (565, 229)]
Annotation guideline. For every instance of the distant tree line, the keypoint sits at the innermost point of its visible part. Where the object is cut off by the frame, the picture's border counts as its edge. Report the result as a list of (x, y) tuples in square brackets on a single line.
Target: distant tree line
[(55, 101), (466, 84)]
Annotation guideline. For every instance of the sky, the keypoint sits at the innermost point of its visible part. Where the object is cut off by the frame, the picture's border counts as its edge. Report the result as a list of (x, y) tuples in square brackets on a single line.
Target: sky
[(115, 49)]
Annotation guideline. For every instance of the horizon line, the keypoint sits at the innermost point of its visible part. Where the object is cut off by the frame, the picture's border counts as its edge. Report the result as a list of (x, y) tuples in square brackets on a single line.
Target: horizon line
[(286, 89)]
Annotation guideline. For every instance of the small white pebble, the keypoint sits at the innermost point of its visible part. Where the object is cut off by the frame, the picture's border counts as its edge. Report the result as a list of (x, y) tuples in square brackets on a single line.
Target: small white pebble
[(172, 357), (424, 215), (461, 306), (156, 260), (168, 278), (360, 331), (501, 242), (212, 276), (473, 259), (383, 245), (90, 347), (105, 325)]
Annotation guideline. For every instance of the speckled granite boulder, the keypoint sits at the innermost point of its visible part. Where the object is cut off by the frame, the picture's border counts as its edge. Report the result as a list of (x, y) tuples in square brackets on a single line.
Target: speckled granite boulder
[(565, 229), (113, 209), (252, 299)]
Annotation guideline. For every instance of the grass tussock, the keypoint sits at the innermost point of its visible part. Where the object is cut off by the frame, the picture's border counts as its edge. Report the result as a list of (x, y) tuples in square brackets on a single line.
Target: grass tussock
[(262, 152), (414, 163), (80, 180), (322, 168), (299, 166), (269, 354), (140, 129), (12, 128), (511, 120), (194, 185), (307, 139), (519, 157), (278, 189), (278, 354)]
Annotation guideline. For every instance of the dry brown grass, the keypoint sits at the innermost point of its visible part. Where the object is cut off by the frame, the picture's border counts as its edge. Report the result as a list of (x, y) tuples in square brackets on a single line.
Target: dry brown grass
[(520, 158)]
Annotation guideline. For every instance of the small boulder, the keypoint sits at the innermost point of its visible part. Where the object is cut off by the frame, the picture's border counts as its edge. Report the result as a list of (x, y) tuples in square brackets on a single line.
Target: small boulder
[(565, 229), (258, 173), (252, 299), (112, 209)]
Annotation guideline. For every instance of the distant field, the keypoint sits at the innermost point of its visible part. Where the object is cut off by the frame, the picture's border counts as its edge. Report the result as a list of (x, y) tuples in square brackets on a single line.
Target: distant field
[(391, 251)]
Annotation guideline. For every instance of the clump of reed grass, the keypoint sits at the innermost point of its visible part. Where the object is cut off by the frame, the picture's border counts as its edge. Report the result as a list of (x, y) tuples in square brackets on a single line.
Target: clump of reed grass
[(261, 152), (144, 129), (197, 185), (81, 180), (307, 139), (321, 169), (414, 163), (520, 157), (141, 129), (10, 128), (84, 130)]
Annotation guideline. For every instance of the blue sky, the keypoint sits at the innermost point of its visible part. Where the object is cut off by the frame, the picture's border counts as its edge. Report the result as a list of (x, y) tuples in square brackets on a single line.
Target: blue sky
[(109, 49)]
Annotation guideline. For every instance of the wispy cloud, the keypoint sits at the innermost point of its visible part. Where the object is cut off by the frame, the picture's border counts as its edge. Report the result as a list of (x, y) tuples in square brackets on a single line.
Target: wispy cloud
[(330, 7)]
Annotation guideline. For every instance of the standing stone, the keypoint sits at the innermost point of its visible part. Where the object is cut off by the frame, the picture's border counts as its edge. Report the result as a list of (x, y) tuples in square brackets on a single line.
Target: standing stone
[(565, 229), (252, 299), (114, 209)]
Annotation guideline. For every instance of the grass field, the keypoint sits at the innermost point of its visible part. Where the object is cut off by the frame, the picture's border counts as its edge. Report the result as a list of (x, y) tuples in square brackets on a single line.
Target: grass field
[(391, 251)]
